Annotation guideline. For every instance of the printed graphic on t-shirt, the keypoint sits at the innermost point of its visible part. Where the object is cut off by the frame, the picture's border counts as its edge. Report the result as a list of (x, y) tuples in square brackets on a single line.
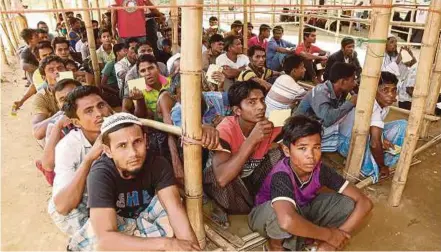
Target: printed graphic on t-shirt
[(136, 201), (249, 166), (130, 3)]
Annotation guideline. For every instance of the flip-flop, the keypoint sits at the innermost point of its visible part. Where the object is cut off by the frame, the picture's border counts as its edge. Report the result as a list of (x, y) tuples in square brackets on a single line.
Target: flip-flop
[(220, 217), (48, 175)]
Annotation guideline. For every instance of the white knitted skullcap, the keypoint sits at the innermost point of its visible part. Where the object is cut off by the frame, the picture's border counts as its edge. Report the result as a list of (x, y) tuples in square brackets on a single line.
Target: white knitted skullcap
[(118, 119)]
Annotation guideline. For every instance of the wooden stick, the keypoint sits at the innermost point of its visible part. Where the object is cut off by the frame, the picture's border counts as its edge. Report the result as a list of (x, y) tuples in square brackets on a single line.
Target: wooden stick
[(430, 37), (434, 89), (250, 237), (253, 243), (301, 22), (218, 14), (97, 3), (175, 27), (365, 182), (175, 130), (91, 42), (54, 5), (16, 29), (430, 118), (245, 27), (191, 77), (368, 88), (412, 15), (425, 146), (273, 15), (3, 53), (9, 28), (66, 21), (217, 239), (231, 238), (12, 50)]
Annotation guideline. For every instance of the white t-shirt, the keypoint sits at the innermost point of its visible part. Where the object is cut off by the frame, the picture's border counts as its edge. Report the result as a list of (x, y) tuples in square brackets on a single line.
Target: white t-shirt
[(78, 46), (378, 115), (284, 86), (223, 60)]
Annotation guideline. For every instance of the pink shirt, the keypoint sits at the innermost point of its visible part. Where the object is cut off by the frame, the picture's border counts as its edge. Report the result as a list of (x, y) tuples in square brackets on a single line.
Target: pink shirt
[(255, 41), (130, 22)]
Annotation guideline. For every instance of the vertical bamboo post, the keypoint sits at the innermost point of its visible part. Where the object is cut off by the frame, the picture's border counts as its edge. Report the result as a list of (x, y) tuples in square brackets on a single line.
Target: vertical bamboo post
[(337, 31), (412, 15), (218, 13), (14, 24), (3, 53), (97, 3), (11, 47), (301, 22), (66, 21), (191, 77), (250, 11), (434, 89), (245, 27), (9, 28), (175, 22), (91, 42), (428, 48), (273, 14), (57, 14), (368, 88)]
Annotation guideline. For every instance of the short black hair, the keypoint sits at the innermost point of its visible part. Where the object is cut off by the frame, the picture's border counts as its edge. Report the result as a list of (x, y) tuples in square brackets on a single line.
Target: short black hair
[(252, 50), (42, 45), (307, 31), (240, 90), (95, 21), (229, 41), (70, 104), (105, 137), (264, 27), (388, 78), (71, 62), (278, 28), (299, 126), (341, 70), (118, 47), (141, 44), (236, 23), (27, 34), (102, 31), (212, 18), (215, 38), (347, 41), (73, 20), (39, 31), (166, 42), (131, 40), (65, 82), (41, 23), (292, 62), (59, 40), (46, 61), (146, 58)]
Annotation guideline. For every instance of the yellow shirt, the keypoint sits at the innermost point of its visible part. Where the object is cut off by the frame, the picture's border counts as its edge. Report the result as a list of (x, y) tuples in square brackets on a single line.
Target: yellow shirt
[(37, 80), (151, 95)]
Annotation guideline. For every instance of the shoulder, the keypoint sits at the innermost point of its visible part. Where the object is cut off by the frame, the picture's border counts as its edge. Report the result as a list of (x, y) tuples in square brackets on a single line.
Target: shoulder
[(70, 142), (103, 165)]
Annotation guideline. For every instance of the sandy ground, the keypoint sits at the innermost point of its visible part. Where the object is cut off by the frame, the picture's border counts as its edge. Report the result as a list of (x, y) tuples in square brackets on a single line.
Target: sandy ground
[(414, 225)]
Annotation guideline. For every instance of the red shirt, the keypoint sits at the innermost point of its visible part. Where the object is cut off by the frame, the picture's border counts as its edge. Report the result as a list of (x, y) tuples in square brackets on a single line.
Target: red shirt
[(313, 49), (255, 41), (130, 22)]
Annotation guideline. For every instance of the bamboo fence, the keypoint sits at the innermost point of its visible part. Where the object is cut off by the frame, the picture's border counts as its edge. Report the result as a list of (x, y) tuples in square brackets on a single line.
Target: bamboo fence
[(429, 42), (191, 77), (301, 22), (175, 31), (368, 87), (66, 21), (97, 4), (8, 25), (11, 47), (3, 53), (91, 42), (245, 27)]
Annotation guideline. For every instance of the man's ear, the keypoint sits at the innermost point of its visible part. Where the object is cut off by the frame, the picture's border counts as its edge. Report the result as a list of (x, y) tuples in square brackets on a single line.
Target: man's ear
[(76, 122), (237, 111), (285, 150), (107, 151)]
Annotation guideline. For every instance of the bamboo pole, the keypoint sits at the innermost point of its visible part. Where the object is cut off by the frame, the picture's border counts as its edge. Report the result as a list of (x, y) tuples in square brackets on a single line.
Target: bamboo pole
[(301, 22), (11, 47), (9, 29), (434, 89), (175, 32), (421, 89), (427, 145), (91, 42), (273, 14), (66, 21), (3, 53), (14, 24), (218, 240), (97, 3), (245, 27), (55, 6), (412, 15), (368, 88), (191, 77), (218, 13)]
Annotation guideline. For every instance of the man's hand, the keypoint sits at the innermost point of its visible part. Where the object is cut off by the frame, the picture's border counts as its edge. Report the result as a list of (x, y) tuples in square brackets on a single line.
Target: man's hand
[(324, 246), (64, 122), (387, 145), (136, 94), (338, 238), (354, 99), (210, 137), (219, 77), (262, 130), (18, 104), (96, 150), (182, 245), (384, 172)]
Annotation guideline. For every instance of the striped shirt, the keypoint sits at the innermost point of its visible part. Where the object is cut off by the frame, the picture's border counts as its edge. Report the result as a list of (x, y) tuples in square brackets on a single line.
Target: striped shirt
[(249, 73), (284, 86)]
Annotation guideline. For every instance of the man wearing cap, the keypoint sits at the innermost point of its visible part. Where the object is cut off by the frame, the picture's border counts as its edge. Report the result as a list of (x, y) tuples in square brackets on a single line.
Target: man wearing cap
[(262, 39), (133, 199), (74, 156), (347, 54)]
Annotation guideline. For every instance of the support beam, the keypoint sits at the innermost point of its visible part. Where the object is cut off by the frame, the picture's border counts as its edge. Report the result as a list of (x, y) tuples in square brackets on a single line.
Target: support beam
[(301, 21), (434, 89), (3, 53), (218, 14), (97, 4), (191, 78), (11, 47), (175, 27), (66, 21), (245, 27), (8, 25), (428, 49), (91, 41), (368, 88), (273, 15)]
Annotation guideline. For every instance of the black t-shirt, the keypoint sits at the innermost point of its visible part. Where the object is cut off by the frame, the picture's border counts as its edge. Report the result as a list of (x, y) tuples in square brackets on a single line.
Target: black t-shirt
[(27, 56), (129, 197)]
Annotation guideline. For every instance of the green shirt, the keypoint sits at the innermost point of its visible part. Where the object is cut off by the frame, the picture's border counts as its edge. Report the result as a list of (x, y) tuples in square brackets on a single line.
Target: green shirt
[(151, 95), (109, 71)]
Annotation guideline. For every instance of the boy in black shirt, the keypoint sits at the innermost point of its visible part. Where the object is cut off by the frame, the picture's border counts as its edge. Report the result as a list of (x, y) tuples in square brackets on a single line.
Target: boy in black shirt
[(133, 200)]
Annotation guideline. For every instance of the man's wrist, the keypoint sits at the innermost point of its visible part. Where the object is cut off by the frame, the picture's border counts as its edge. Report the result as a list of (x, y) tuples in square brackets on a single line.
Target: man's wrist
[(326, 234)]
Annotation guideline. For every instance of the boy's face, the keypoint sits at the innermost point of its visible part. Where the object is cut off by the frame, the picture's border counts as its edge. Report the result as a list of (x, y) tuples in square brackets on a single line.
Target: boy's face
[(77, 25), (299, 72), (348, 84), (386, 94), (106, 38), (391, 45), (258, 59), (304, 153), (217, 47), (95, 25), (348, 50), (145, 49), (131, 55), (34, 40), (62, 50), (266, 33), (44, 52), (91, 111), (252, 109), (43, 36), (311, 38), (43, 27), (61, 95), (213, 23), (150, 72)]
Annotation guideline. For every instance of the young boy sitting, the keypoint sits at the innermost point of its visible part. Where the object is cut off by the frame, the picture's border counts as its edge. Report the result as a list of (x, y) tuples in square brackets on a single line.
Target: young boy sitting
[(288, 204)]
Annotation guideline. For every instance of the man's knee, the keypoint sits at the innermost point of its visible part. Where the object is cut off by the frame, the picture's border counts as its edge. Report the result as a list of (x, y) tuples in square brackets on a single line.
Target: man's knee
[(346, 206), (263, 219)]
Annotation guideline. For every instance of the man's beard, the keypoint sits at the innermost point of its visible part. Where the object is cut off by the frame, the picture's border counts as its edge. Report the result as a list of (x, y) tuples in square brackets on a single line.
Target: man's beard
[(132, 173)]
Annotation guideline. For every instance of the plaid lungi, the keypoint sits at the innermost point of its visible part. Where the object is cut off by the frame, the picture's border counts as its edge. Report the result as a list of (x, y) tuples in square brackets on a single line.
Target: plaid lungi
[(152, 222), (238, 196)]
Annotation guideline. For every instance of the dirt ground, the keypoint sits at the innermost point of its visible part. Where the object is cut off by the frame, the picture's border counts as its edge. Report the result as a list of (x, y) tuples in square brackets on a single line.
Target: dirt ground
[(414, 225)]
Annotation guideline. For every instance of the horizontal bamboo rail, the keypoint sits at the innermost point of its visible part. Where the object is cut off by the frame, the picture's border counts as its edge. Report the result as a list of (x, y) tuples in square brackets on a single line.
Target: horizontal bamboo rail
[(171, 129)]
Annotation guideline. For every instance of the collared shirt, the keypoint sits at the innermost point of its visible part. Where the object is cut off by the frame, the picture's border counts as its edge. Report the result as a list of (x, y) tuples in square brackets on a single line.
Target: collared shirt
[(255, 41), (103, 56), (151, 95), (45, 103), (109, 71), (272, 61), (250, 73), (284, 87), (409, 81), (121, 69), (207, 59), (69, 154)]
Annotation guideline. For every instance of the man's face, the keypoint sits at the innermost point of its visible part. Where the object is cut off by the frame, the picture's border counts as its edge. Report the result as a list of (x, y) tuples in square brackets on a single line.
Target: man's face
[(311, 38), (44, 52), (213, 23), (60, 96), (51, 72), (91, 111), (123, 53), (34, 40), (43, 36), (43, 27), (258, 59), (169, 35), (166, 49), (95, 25), (77, 25), (266, 33), (252, 109), (348, 84), (62, 50), (299, 72), (106, 38), (217, 47), (150, 72), (277, 34), (145, 49), (237, 29), (72, 68), (304, 153), (391, 45), (250, 30), (133, 44), (236, 47), (131, 55), (348, 50), (386, 94), (128, 150)]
